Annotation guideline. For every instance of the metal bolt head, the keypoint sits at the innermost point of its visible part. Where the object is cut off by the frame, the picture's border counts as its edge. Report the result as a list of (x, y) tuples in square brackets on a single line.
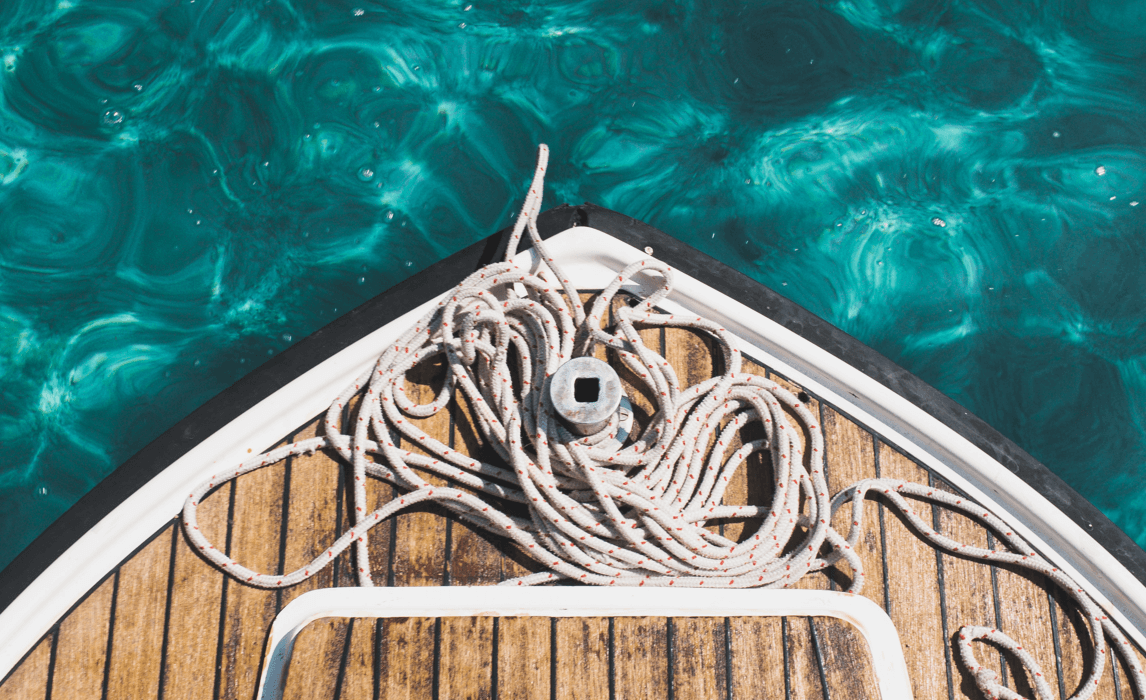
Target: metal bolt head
[(585, 393)]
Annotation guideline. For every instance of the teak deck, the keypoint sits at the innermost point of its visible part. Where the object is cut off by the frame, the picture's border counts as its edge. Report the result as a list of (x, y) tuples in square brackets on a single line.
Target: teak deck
[(165, 624)]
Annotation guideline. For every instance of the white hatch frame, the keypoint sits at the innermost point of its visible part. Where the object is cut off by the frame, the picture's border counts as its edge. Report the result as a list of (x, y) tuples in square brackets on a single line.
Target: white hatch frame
[(591, 259), (567, 601)]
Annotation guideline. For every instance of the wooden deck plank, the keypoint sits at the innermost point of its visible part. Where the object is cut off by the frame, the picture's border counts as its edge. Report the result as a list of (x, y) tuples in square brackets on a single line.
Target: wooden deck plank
[(693, 356), (817, 581), (968, 593), (138, 621), (582, 658), (378, 494), (915, 608), (1123, 683), (406, 659), (196, 594), (248, 612), (316, 660), (382, 541), (638, 392), (754, 482), (758, 659), (690, 354), (422, 562), (806, 401), (848, 666), (466, 670), (803, 665), (29, 680), (700, 668), (81, 646), (312, 515), (1024, 615), (358, 674), (523, 658), (851, 457), (1077, 649), (474, 560), (478, 557), (640, 657)]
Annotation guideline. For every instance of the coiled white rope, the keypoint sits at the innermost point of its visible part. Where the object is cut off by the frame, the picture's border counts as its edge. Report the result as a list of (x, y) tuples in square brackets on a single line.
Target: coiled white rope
[(601, 512)]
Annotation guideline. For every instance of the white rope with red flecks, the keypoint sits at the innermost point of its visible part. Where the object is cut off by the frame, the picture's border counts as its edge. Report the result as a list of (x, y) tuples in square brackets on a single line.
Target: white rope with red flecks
[(603, 512)]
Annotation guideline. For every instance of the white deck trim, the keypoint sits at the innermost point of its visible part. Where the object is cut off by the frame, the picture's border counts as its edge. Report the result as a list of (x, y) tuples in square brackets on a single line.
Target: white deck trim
[(499, 601), (591, 259)]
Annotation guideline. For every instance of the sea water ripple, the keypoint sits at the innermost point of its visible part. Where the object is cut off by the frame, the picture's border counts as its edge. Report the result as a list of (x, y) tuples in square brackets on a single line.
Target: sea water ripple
[(187, 187)]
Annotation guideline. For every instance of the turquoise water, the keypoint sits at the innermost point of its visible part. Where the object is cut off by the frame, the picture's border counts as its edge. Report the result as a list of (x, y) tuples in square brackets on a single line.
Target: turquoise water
[(187, 187)]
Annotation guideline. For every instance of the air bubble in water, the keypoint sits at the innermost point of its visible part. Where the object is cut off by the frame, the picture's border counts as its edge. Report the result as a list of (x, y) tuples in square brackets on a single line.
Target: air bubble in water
[(112, 117), (365, 174)]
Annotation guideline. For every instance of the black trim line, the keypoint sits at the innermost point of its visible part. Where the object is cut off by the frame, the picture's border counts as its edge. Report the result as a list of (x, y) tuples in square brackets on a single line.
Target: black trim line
[(52, 666), (787, 661), (827, 691), (493, 666), (1052, 605), (110, 636), (553, 657), (942, 581), (175, 533), (348, 635), (612, 661), (440, 277), (882, 531)]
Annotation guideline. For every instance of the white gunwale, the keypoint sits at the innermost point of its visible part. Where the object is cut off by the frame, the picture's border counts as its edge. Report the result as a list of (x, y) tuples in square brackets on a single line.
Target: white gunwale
[(591, 259)]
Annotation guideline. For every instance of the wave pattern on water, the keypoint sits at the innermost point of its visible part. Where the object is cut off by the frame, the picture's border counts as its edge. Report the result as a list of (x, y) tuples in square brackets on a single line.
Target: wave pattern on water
[(189, 186)]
